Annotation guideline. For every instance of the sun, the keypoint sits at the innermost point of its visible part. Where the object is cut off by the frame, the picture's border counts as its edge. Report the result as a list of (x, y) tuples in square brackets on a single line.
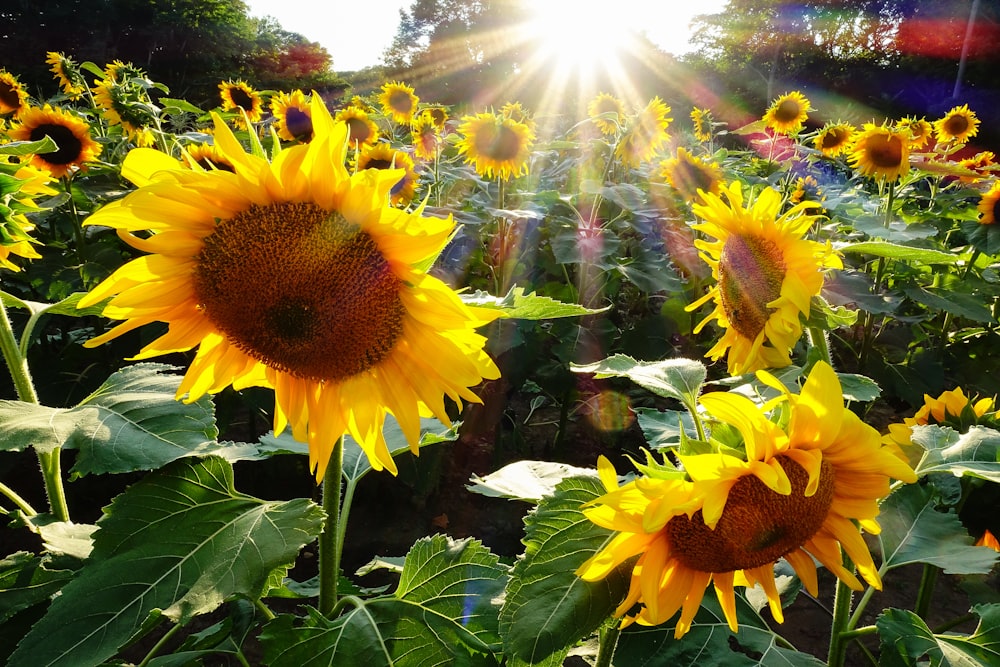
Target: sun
[(578, 37)]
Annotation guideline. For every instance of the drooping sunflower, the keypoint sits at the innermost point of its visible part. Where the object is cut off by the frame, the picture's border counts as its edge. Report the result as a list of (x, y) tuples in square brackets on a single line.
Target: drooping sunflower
[(240, 95), (958, 125), (67, 74), (881, 152), (834, 139), (15, 228), (295, 275), (920, 130), (607, 112), (688, 173), (983, 163), (796, 495), (126, 105), (951, 408), (293, 116), (206, 157), (766, 271), (806, 189), (425, 136), (71, 134), (787, 114), (398, 102), (383, 156), (361, 130), (646, 135), (701, 122), (13, 97), (989, 206), (516, 112), (495, 145)]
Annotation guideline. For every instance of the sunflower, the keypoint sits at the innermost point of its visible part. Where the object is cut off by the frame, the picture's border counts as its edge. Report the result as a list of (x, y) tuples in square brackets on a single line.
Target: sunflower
[(607, 112), (920, 131), (67, 74), (766, 273), (881, 152), (239, 95), (646, 135), (495, 145), (71, 135), (701, 121), (361, 130), (834, 139), (983, 163), (425, 138), (206, 157), (951, 408), (958, 125), (987, 539), (293, 116), (796, 495), (787, 113), (124, 104), (688, 174), (989, 206), (398, 102), (383, 156), (516, 112), (297, 276), (13, 98), (14, 224), (438, 115)]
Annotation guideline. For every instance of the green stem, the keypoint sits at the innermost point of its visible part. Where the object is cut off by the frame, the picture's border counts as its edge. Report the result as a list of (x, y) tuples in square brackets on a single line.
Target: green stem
[(948, 317), (264, 609), (927, 581), (608, 641), (841, 616), (859, 632), (159, 645), (329, 554), (817, 338), (15, 498)]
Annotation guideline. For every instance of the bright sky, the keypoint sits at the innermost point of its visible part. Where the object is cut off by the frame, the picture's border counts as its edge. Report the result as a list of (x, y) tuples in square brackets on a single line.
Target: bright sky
[(355, 44)]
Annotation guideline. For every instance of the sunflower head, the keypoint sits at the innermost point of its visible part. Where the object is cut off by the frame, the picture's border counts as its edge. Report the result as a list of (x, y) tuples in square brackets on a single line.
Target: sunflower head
[(206, 157), (20, 185), (607, 112), (920, 130), (989, 206), (701, 122), (67, 73), (834, 139), (437, 114), (126, 104), (495, 146), (239, 95), (787, 114), (806, 189), (688, 174), (516, 112), (75, 147), (952, 408), (13, 97), (645, 135), (881, 152), (361, 130), (958, 125), (425, 136), (983, 163), (398, 102), (292, 115), (383, 156)]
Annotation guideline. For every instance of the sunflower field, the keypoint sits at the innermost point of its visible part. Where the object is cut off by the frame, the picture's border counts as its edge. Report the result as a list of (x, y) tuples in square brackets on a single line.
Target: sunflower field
[(734, 384)]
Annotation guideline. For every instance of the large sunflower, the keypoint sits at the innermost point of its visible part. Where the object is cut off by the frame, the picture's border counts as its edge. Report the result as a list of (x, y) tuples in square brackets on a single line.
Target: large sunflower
[(607, 112), (495, 145), (787, 113), (13, 97), (881, 152), (834, 139), (796, 495), (989, 206), (361, 130), (240, 95), (295, 275), (688, 174), (398, 102), (383, 156), (71, 135), (646, 135), (293, 116), (766, 273), (67, 74), (958, 125)]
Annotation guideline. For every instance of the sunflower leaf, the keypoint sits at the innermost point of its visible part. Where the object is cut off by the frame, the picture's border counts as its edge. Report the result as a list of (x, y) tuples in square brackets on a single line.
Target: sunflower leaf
[(525, 480), (900, 252), (548, 608), (177, 544), (518, 305), (914, 530), (906, 640), (671, 378), (25, 581), (21, 148), (951, 301), (974, 453)]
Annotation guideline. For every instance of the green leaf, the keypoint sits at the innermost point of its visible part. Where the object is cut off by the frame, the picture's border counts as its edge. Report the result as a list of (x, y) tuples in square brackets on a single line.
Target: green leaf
[(858, 387), (907, 641), (531, 306), (182, 540), (900, 252), (525, 480), (548, 608), (663, 428), (432, 432), (671, 378), (21, 148), (986, 238), (25, 582), (65, 307), (973, 453), (968, 306), (915, 531), (171, 105), (896, 232)]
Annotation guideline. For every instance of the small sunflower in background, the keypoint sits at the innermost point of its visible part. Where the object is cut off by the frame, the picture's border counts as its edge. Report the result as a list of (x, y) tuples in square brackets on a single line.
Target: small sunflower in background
[(297, 276), (15, 228), (123, 104), (206, 157), (983, 163), (75, 147), (293, 116), (803, 491), (806, 189), (951, 408), (495, 146), (701, 123), (958, 125), (766, 274), (788, 113), (361, 130), (834, 139), (426, 137), (989, 206), (920, 130), (437, 114), (645, 135), (516, 112), (383, 156), (688, 174), (607, 112), (13, 97), (881, 152), (67, 73), (398, 102), (240, 95)]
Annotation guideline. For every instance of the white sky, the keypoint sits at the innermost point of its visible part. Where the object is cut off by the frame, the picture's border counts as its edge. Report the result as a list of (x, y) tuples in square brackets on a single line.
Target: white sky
[(358, 41)]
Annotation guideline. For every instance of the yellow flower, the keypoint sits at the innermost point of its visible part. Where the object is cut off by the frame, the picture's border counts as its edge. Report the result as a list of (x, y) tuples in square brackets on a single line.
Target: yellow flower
[(982, 163), (516, 112), (67, 74), (495, 145), (834, 139), (951, 408), (438, 116), (383, 156), (14, 225), (920, 131), (425, 137), (361, 130), (122, 104), (795, 495), (293, 116), (646, 135), (701, 120), (206, 157), (71, 134), (398, 102), (766, 273), (989, 206), (607, 112), (806, 189), (958, 125), (688, 174), (987, 539), (13, 97), (881, 152), (787, 113), (238, 95), (295, 275)]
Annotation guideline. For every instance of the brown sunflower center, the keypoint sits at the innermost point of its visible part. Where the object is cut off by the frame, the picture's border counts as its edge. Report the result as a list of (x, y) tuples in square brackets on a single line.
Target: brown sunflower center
[(358, 131), (691, 177), (834, 138), (298, 123), (751, 270), (996, 210), (401, 101), (241, 98), (378, 163), (500, 144), (788, 111), (9, 98), (956, 125), (885, 152), (300, 289), (757, 527), (69, 145)]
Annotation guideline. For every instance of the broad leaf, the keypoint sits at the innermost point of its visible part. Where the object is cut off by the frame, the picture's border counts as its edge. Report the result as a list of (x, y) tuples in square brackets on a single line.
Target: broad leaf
[(672, 378), (968, 306), (182, 540), (975, 453), (518, 305), (548, 608), (25, 581), (21, 148), (900, 252), (908, 642), (432, 432), (915, 531), (663, 428), (525, 480)]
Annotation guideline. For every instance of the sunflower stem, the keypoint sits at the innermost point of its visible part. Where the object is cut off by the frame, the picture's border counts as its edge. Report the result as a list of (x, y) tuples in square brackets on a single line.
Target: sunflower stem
[(926, 591), (329, 549), (15, 497), (817, 338), (841, 616), (608, 637)]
